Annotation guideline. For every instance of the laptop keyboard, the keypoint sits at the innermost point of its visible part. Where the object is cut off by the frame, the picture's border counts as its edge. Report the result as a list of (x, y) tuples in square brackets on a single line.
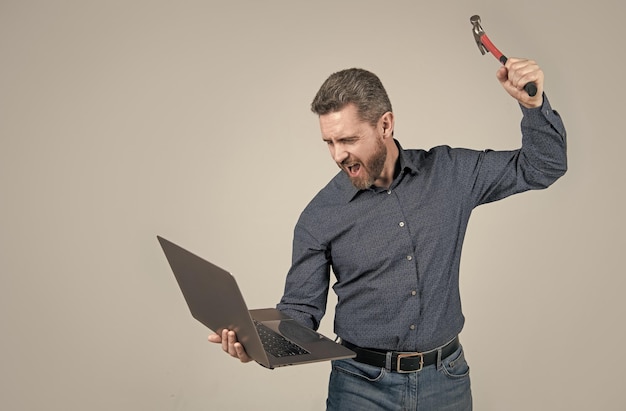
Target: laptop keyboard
[(276, 344)]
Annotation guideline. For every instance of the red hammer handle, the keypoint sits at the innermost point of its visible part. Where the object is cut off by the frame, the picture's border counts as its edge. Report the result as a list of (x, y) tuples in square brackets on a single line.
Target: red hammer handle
[(531, 88)]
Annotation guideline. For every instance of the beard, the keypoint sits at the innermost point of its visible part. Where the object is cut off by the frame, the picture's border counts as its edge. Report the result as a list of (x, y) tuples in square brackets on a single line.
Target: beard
[(372, 168)]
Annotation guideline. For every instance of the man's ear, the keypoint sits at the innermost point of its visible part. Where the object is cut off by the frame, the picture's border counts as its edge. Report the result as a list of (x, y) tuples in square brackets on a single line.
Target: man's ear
[(387, 123)]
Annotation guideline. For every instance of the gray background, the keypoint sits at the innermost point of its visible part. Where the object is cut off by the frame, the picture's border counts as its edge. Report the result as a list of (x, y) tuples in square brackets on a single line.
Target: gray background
[(121, 120)]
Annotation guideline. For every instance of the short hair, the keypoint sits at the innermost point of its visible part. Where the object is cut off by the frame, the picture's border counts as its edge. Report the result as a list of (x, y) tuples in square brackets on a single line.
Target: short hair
[(353, 86)]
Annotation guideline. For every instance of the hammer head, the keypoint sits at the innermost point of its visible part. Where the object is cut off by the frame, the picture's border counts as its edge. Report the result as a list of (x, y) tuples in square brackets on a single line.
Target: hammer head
[(478, 32)]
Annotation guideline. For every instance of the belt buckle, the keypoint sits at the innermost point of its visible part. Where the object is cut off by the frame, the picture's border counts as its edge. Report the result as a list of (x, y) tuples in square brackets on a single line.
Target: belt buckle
[(409, 355)]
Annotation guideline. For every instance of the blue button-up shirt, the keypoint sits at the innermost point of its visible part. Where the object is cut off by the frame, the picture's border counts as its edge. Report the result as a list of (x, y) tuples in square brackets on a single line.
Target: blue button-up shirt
[(396, 252)]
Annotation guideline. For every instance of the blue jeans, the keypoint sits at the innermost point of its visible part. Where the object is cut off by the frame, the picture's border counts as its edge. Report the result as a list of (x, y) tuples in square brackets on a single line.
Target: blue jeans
[(438, 387)]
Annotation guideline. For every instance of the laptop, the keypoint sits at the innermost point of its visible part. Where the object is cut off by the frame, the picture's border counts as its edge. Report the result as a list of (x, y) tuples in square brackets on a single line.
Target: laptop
[(270, 337)]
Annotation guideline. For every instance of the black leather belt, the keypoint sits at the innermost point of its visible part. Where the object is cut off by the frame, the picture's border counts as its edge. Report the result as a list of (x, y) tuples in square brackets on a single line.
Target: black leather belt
[(401, 361)]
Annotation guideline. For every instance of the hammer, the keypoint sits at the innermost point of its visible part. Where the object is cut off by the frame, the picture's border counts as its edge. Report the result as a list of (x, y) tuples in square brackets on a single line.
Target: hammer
[(485, 45)]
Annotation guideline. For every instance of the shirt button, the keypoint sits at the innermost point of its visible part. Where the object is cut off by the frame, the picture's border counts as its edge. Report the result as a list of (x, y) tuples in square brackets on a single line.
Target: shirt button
[(413, 292), (409, 257), (412, 326), (401, 224), (388, 191)]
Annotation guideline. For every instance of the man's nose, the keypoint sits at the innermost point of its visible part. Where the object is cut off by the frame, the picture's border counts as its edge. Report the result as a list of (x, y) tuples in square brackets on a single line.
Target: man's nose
[(339, 153)]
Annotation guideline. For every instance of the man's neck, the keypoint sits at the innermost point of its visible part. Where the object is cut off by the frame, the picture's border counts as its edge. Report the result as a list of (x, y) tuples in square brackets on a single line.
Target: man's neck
[(391, 169)]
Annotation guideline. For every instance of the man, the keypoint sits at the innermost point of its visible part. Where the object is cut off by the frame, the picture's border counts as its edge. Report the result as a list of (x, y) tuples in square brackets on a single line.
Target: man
[(391, 227)]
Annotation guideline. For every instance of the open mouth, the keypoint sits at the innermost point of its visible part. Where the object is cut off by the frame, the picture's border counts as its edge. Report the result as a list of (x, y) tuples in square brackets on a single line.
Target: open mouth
[(353, 169)]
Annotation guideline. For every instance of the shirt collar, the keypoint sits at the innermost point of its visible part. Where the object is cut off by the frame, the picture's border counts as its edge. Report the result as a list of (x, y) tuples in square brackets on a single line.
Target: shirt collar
[(405, 163)]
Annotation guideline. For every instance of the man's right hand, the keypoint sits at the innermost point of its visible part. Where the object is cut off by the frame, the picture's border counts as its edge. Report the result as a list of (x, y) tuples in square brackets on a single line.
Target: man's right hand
[(230, 345)]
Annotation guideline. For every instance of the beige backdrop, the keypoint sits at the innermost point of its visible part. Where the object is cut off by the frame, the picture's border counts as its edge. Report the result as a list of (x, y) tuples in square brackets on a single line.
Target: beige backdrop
[(121, 120)]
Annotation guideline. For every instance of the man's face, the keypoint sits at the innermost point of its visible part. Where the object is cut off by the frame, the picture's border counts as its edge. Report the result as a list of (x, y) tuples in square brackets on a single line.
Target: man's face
[(355, 145)]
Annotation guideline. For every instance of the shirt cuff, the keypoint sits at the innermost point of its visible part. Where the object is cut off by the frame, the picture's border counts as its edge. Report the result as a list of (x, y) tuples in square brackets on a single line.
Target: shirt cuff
[(543, 116)]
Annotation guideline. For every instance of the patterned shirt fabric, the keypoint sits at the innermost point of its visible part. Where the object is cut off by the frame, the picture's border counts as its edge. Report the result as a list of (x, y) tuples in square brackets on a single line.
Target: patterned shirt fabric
[(395, 253)]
